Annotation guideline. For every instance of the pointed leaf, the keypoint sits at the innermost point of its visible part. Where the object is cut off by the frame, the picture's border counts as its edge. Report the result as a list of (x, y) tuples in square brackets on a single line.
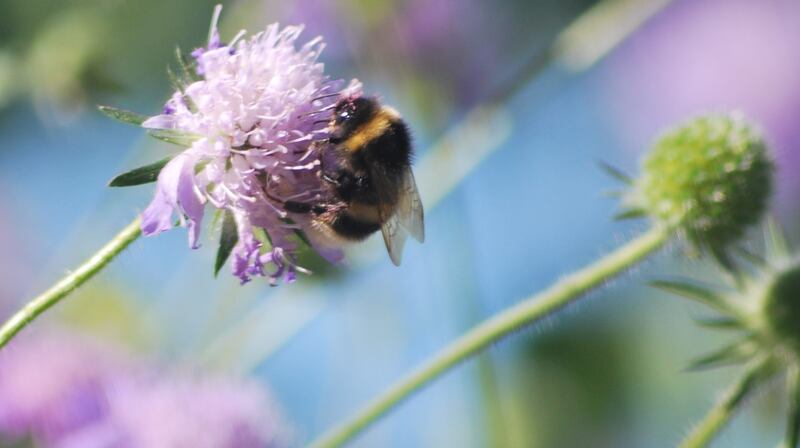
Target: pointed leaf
[(615, 172), (188, 73), (728, 265), (754, 259), (731, 354), (176, 82), (227, 240), (696, 293), (776, 241), (142, 175), (122, 115), (632, 213), (721, 323), (173, 137)]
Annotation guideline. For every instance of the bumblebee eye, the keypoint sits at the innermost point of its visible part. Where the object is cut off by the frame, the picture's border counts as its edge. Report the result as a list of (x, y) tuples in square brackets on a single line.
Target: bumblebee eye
[(343, 115)]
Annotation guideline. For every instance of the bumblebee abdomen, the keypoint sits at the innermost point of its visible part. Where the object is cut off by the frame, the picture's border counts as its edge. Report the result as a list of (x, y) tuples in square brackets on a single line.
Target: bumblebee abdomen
[(351, 227)]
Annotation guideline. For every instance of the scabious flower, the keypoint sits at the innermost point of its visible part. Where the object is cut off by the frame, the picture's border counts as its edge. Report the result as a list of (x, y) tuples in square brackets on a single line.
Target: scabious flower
[(158, 411), (67, 391), (52, 383), (256, 114)]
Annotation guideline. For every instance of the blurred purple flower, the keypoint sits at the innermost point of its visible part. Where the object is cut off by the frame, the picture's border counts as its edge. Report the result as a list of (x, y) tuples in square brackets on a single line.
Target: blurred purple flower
[(68, 391), (711, 55), (433, 40), (52, 383), (255, 116), (157, 411)]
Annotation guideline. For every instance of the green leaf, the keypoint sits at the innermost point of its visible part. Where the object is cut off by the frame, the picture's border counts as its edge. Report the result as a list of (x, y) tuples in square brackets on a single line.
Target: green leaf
[(777, 246), (122, 115), (631, 213), (171, 136), (615, 172), (227, 240), (188, 73), (720, 323), (730, 354), (142, 175), (696, 293), (176, 82), (754, 259), (728, 265)]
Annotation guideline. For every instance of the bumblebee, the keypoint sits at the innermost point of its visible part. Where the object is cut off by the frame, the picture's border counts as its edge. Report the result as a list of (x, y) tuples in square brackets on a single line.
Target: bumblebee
[(367, 165)]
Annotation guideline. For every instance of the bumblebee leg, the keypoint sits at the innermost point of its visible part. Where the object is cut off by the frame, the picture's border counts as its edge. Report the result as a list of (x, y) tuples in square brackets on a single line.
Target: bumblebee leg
[(304, 207)]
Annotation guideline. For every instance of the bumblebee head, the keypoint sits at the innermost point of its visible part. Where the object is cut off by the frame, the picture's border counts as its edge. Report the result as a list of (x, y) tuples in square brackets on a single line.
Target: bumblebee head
[(350, 113)]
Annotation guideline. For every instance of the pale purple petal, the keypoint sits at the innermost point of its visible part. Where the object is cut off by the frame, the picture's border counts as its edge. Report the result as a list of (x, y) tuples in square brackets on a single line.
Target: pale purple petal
[(163, 121), (175, 192)]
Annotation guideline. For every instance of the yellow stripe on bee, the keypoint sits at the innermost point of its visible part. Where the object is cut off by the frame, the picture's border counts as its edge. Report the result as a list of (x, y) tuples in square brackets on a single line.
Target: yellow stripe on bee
[(370, 130)]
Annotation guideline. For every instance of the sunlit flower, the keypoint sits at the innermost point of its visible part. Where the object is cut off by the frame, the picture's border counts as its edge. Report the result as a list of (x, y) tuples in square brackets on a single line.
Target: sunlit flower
[(254, 113)]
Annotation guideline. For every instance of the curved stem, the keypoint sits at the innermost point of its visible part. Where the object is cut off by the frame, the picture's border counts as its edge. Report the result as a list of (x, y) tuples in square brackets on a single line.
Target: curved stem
[(526, 312), (719, 415), (66, 285)]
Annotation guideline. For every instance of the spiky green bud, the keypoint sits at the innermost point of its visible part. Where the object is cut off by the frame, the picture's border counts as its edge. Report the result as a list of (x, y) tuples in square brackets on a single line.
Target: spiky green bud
[(710, 179)]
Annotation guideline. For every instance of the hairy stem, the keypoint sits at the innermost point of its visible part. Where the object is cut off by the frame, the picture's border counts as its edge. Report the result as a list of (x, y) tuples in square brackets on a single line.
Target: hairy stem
[(72, 281), (719, 415), (524, 313)]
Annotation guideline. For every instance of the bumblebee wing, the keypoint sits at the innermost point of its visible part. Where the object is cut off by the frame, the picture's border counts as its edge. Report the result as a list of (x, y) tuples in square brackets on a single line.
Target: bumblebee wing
[(409, 208), (394, 235), (400, 210)]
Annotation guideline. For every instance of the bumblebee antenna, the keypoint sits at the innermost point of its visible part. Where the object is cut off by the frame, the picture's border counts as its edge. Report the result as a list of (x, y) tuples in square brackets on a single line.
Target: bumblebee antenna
[(326, 96), (315, 112)]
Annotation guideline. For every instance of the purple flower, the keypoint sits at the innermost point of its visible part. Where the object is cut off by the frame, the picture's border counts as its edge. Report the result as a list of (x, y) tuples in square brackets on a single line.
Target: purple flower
[(157, 411), (52, 383), (67, 391), (255, 118)]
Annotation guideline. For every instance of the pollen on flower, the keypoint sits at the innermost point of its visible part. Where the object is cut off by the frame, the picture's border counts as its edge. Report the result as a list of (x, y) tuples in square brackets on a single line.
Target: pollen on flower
[(258, 112)]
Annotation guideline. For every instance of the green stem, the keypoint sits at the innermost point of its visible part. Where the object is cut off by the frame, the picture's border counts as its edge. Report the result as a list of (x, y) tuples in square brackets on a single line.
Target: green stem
[(792, 437), (66, 285), (719, 415), (524, 313)]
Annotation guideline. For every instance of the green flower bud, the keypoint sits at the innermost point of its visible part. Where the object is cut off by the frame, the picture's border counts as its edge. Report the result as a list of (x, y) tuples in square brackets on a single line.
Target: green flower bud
[(780, 308), (710, 179)]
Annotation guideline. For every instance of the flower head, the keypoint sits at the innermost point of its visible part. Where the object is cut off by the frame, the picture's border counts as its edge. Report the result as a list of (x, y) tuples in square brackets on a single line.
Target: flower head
[(52, 383), (63, 390), (255, 115), (152, 410), (710, 179)]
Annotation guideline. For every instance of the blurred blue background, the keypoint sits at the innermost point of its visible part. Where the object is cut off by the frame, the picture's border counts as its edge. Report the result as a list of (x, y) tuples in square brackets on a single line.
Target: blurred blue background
[(512, 204)]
